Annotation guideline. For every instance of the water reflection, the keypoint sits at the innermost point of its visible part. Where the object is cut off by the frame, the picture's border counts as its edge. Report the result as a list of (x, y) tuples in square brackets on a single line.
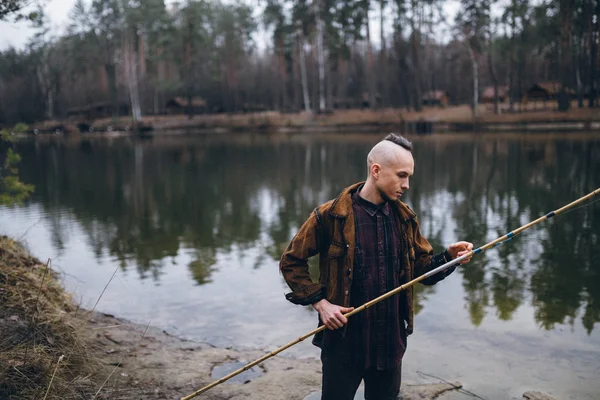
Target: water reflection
[(144, 202), (203, 265)]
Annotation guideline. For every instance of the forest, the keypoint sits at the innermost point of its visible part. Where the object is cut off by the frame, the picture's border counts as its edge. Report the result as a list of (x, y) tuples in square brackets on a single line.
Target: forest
[(149, 57)]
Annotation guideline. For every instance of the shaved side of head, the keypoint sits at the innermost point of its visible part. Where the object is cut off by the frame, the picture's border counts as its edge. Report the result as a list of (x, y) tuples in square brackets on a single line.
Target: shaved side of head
[(388, 151), (383, 153)]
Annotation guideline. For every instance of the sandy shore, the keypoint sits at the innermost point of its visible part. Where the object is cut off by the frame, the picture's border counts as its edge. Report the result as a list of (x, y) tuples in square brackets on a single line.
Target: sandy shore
[(156, 365)]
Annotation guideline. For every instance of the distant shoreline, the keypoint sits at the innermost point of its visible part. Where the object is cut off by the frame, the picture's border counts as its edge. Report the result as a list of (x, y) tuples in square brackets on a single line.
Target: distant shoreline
[(431, 120)]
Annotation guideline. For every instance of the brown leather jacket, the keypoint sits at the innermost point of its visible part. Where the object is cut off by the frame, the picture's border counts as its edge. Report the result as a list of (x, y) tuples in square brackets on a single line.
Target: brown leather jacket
[(329, 232)]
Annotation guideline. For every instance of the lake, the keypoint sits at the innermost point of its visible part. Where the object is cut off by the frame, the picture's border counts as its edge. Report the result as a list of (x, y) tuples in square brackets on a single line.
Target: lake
[(192, 227)]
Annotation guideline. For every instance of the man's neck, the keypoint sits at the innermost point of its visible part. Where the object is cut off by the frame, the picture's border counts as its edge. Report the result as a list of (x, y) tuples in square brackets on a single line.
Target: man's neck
[(370, 193)]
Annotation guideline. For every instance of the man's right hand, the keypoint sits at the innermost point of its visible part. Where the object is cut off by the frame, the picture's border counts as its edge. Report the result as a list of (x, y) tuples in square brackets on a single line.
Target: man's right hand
[(332, 315)]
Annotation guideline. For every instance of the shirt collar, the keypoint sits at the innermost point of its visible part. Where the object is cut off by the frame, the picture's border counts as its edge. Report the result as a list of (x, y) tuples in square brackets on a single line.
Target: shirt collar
[(369, 207)]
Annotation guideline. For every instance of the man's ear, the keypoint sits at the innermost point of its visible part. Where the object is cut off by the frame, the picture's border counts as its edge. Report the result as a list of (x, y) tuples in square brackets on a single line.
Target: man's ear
[(375, 170)]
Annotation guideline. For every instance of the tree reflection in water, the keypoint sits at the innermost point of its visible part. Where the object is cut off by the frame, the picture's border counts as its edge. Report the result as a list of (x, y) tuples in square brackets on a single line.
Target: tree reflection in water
[(144, 202)]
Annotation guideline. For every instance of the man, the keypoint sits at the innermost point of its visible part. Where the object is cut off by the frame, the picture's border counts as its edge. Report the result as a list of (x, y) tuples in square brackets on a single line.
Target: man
[(369, 243)]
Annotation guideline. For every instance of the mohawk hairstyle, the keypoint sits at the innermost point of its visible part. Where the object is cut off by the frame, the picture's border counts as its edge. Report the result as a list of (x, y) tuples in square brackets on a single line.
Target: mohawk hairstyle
[(399, 140)]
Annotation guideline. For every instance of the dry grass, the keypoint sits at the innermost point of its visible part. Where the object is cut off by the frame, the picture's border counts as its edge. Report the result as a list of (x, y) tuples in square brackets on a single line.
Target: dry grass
[(272, 119), (50, 349), (36, 329)]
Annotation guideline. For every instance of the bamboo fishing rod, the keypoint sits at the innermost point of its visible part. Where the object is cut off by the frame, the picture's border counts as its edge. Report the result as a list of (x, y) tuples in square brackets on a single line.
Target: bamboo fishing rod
[(400, 288)]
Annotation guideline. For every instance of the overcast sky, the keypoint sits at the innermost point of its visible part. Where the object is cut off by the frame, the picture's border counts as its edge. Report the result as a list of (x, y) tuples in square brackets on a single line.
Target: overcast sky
[(18, 34)]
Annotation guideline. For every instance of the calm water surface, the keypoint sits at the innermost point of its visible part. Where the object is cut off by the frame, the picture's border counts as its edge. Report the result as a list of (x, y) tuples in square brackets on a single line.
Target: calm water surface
[(194, 228)]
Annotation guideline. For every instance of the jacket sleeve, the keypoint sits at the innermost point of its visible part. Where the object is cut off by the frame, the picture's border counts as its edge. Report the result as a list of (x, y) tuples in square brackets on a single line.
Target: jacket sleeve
[(294, 263), (425, 260)]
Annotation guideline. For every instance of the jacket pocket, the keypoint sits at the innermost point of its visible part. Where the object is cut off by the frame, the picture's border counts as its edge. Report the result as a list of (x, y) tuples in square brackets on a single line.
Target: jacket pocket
[(336, 250), (336, 256)]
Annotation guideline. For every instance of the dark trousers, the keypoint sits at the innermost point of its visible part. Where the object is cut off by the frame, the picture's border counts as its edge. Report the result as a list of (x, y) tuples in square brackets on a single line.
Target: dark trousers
[(340, 382)]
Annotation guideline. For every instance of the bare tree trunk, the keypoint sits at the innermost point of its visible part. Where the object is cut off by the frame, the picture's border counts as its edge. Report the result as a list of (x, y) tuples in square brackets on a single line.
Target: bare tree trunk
[(416, 62), (45, 81), (130, 61), (577, 61), (430, 80), (343, 76), (160, 74), (50, 101), (313, 74), (383, 75), (320, 57), (189, 75), (492, 68), (511, 63), (565, 41), (305, 94), (475, 67), (141, 68), (282, 76), (494, 81), (329, 85), (190, 85), (49, 97), (520, 69), (370, 73), (594, 24), (398, 69), (297, 82), (156, 105), (111, 74), (141, 55)]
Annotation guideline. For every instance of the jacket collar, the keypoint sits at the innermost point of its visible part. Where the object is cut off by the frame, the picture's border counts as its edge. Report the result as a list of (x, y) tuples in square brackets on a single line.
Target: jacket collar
[(369, 207), (342, 205)]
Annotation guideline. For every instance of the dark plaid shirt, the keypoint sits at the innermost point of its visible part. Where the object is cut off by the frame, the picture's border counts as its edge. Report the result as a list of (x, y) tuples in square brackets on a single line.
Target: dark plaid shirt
[(376, 337)]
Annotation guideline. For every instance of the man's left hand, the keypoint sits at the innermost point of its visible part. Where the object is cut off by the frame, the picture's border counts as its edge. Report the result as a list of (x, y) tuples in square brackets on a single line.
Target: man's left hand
[(459, 249)]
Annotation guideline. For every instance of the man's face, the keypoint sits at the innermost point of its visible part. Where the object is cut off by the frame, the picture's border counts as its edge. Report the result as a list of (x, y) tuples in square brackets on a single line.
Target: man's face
[(392, 177)]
